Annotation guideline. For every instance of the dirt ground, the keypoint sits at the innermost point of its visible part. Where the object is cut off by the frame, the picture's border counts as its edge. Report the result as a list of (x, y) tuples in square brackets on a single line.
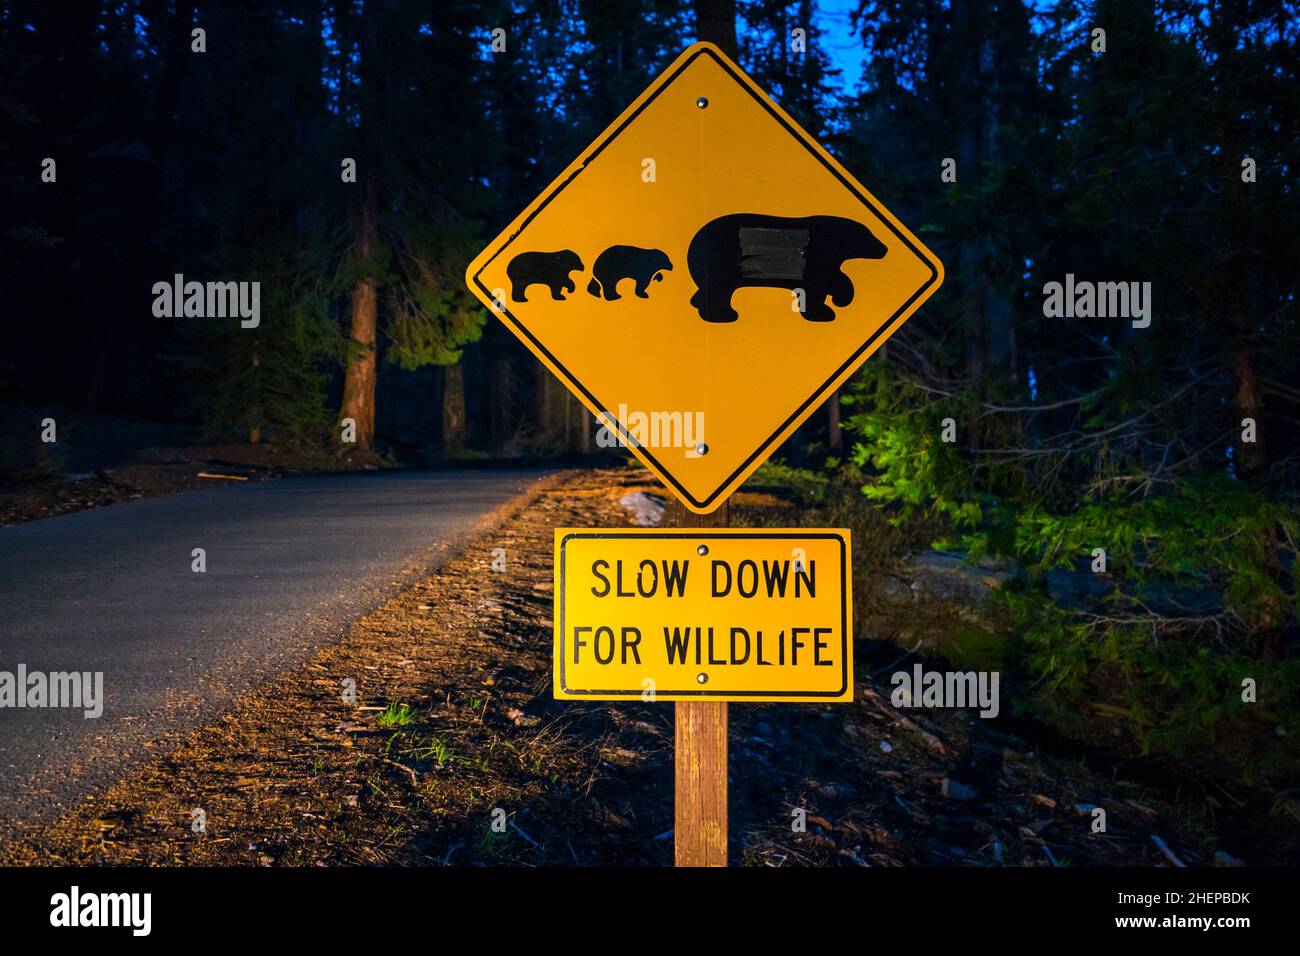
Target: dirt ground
[(161, 471), (454, 727)]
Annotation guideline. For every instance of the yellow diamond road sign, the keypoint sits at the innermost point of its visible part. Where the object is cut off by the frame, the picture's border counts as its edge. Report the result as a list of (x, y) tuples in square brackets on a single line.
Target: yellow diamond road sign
[(704, 276)]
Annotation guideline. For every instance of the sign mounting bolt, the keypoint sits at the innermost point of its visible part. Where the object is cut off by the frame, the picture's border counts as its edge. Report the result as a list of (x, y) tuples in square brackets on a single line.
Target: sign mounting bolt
[(702, 678), (701, 449), (702, 549), (702, 102)]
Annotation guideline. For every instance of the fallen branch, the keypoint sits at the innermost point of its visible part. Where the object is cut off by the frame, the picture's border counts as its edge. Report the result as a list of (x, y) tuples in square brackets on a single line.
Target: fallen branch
[(415, 781), (1163, 847), (518, 829)]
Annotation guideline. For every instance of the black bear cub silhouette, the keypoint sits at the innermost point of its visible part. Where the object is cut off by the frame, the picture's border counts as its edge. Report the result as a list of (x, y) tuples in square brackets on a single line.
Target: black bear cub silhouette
[(550, 269), (750, 249), (627, 262)]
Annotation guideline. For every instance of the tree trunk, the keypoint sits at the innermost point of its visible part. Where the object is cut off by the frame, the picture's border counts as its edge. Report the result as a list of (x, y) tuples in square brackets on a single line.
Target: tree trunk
[(985, 312), (174, 92), (552, 412), (715, 21), (255, 413), (453, 410), (1247, 402), (577, 426), (359, 378)]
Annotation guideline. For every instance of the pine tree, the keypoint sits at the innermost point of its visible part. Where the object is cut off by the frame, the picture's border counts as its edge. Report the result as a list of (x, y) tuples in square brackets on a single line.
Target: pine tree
[(407, 80)]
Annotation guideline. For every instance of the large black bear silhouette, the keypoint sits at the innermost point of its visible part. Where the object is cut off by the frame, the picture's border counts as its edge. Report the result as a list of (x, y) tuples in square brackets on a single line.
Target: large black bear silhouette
[(550, 269), (627, 262), (750, 249)]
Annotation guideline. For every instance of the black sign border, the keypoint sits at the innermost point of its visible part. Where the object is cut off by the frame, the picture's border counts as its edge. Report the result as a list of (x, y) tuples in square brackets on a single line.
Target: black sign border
[(701, 535), (819, 394)]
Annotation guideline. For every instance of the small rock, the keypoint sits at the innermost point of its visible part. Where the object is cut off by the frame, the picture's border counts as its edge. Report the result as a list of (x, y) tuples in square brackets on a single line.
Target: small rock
[(821, 822), (1077, 588), (647, 509), (892, 591), (817, 842), (521, 719), (956, 791), (946, 576), (608, 817)]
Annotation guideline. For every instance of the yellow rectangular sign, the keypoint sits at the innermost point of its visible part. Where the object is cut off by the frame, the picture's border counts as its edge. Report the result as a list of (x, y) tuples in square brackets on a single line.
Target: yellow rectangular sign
[(735, 614)]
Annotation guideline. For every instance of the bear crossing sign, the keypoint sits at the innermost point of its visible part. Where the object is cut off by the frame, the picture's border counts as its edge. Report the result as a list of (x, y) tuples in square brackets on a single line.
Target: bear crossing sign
[(704, 276)]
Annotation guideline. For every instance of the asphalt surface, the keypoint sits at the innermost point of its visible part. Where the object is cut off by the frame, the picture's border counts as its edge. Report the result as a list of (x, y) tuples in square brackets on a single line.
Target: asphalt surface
[(289, 564)]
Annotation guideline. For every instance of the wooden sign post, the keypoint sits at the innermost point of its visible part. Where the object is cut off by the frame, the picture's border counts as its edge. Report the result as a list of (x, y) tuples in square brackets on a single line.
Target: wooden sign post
[(699, 748)]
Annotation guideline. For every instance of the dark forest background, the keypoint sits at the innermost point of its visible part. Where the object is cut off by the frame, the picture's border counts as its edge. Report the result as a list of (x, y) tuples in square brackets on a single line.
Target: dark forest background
[(1169, 158)]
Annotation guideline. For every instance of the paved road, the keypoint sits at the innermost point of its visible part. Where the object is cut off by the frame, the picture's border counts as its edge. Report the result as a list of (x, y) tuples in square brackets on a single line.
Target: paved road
[(289, 564)]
